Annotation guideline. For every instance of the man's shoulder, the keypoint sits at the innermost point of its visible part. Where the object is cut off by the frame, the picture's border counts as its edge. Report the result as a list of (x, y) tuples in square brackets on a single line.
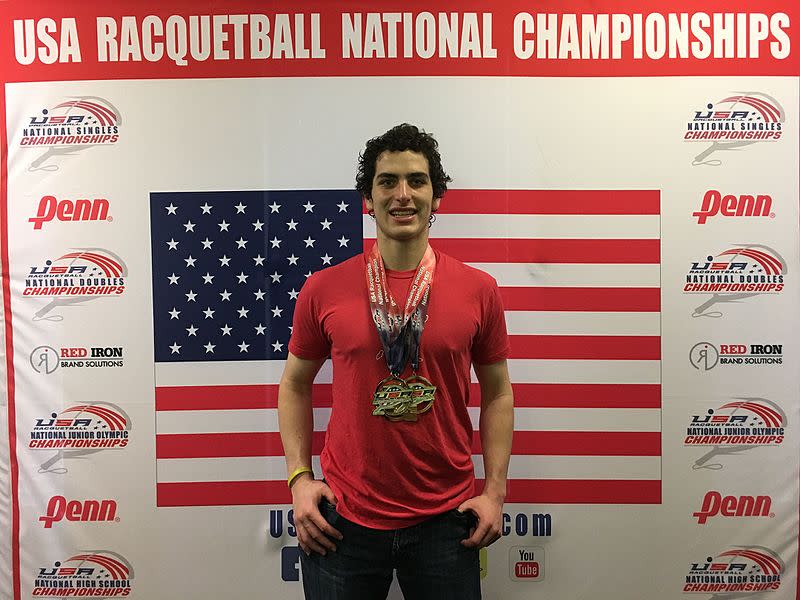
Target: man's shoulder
[(468, 274), (340, 274)]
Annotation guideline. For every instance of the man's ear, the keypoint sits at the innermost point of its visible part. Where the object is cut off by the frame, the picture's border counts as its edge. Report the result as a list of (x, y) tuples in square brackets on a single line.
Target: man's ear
[(435, 204), (368, 203)]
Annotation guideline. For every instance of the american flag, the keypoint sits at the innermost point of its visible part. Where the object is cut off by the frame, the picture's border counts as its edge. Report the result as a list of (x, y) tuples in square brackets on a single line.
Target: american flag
[(579, 273)]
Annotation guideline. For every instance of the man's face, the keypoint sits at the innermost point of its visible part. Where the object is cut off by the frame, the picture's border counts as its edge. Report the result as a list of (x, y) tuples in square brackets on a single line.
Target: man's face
[(402, 195)]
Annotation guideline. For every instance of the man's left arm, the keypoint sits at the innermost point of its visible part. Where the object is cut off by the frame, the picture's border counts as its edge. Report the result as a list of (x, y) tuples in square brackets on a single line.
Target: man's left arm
[(497, 429)]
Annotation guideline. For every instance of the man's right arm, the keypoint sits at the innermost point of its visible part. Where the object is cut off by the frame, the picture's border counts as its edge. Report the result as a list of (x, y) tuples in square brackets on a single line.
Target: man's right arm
[(296, 423)]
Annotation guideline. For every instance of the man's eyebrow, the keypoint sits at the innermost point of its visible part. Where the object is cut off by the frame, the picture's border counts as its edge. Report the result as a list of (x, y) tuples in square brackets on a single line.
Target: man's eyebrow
[(413, 174)]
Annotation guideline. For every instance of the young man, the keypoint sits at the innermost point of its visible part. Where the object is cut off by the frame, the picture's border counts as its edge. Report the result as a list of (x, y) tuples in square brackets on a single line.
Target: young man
[(402, 324)]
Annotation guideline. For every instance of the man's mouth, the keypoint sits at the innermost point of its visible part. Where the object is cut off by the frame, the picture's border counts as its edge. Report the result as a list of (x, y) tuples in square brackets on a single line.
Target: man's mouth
[(402, 212)]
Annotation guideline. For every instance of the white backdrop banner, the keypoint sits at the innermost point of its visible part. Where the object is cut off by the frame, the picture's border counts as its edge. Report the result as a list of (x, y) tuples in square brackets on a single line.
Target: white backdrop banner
[(170, 179)]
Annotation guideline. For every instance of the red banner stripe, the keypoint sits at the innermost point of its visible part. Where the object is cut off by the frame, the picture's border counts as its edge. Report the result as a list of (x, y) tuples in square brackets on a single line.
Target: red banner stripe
[(563, 251), (550, 202), (587, 299), (543, 395), (539, 491), (586, 347), (545, 443)]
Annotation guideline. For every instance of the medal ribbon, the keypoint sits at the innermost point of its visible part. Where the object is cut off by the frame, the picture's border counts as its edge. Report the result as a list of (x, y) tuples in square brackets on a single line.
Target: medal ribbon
[(400, 332)]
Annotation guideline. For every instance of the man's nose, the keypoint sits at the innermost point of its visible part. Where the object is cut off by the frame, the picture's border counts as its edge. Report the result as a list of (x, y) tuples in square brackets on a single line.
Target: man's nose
[(403, 191)]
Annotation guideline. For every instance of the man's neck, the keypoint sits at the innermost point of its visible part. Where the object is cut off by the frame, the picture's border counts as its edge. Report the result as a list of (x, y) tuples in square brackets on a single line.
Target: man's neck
[(402, 255)]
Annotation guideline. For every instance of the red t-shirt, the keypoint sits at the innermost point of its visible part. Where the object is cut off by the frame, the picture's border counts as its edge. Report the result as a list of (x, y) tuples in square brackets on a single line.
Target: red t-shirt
[(385, 474)]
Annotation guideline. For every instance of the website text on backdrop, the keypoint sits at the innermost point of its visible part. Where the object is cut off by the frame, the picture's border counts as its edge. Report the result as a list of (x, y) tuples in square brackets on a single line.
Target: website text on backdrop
[(398, 492)]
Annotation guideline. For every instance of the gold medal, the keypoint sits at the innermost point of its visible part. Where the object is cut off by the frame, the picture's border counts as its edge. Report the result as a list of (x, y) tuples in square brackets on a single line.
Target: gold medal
[(403, 400)]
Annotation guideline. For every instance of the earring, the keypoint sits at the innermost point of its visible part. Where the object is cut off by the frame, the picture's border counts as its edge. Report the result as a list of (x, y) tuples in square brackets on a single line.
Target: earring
[(371, 213), (431, 220)]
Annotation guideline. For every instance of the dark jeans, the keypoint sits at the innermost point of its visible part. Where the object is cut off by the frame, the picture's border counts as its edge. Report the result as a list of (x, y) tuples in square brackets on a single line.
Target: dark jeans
[(431, 563)]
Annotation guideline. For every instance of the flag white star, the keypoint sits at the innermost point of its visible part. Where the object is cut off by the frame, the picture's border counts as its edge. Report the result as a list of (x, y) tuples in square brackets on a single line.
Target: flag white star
[(171, 209), (208, 313), (260, 329), (293, 294), (309, 274), (223, 226), (326, 224), (223, 262), (259, 260), (173, 279), (259, 294), (277, 347), (326, 260), (308, 206), (274, 207), (192, 330), (276, 277), (342, 242), (292, 259), (206, 208), (226, 330), (207, 244), (277, 311), (291, 329), (176, 349), (242, 277), (173, 245), (190, 297), (207, 278), (291, 224), (309, 242), (243, 313), (241, 243), (209, 348), (189, 226), (173, 314), (240, 208), (342, 206), (190, 261), (276, 243), (243, 347), (258, 225), (226, 295)]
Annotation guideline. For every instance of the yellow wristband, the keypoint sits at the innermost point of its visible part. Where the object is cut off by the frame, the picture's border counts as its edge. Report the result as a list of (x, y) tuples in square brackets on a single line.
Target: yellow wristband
[(297, 472)]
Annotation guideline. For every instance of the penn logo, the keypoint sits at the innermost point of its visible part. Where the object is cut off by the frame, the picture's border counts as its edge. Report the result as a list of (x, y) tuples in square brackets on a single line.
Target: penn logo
[(88, 511), (715, 504), (730, 205), (83, 209)]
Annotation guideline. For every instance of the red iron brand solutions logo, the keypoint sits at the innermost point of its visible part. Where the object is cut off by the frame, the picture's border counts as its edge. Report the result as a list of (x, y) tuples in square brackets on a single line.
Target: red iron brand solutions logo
[(734, 427), (69, 126), (740, 272), (75, 277), (729, 205), (715, 504), (88, 511), (91, 573), (736, 121), (70, 210), (751, 569), (80, 430)]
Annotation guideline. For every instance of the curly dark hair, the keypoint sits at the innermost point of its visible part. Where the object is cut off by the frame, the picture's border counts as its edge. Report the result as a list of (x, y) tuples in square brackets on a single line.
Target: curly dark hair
[(397, 139)]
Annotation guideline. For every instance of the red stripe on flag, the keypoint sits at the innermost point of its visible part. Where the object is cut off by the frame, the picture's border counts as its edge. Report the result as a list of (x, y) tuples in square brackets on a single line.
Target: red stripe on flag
[(584, 491), (231, 397), (584, 251), (580, 395), (551, 202), (586, 347), (549, 443), (539, 491), (588, 299)]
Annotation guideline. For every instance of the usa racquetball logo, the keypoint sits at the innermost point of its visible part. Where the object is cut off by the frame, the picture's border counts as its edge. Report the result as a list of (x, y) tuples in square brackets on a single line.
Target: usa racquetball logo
[(739, 272), (75, 277), (734, 427), (69, 126), (86, 574), (737, 572), (737, 120), (78, 431)]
